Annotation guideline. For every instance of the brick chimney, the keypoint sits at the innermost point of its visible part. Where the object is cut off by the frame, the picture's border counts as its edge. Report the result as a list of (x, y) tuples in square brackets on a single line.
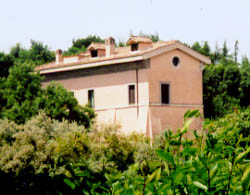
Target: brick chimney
[(59, 57), (110, 46)]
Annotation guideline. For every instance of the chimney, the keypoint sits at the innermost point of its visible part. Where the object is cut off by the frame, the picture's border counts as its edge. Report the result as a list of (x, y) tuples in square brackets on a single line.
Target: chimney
[(59, 57), (110, 46)]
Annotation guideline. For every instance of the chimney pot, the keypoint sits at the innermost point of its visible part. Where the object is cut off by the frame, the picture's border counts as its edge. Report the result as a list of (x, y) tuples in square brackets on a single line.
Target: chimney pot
[(59, 57), (110, 46)]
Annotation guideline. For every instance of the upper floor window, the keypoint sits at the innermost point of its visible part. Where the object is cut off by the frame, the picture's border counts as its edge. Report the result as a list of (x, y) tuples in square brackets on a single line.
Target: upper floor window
[(176, 61), (134, 47), (165, 93), (94, 53), (131, 94), (91, 99)]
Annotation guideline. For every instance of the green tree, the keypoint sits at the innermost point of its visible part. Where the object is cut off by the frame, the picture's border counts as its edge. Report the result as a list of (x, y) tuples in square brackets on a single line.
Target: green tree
[(22, 97), (205, 50), (245, 86), (245, 63), (196, 46), (216, 55), (121, 44), (225, 50), (17, 51), (154, 37), (80, 45), (60, 104), (37, 54), (220, 89), (22, 93), (236, 51), (6, 61), (2, 99)]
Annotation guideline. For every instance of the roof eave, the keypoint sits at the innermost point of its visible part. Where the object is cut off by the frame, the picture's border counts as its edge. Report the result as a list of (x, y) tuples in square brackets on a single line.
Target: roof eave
[(91, 65), (146, 55)]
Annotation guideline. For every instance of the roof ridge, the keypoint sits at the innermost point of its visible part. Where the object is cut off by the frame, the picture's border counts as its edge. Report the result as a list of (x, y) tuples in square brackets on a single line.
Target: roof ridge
[(121, 53)]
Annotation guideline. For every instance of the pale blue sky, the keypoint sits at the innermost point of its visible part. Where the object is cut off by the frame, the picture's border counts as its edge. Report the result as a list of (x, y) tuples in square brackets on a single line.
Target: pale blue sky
[(57, 22)]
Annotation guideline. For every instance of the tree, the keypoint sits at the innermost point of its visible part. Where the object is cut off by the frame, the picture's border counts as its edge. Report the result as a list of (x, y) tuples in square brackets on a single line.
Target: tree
[(80, 45), (206, 49), (2, 99), (196, 46), (216, 55), (154, 37), (220, 89), (225, 50), (245, 86), (60, 104), (203, 49), (121, 44), (37, 54), (6, 61), (22, 93), (236, 51), (16, 51), (245, 63), (22, 97)]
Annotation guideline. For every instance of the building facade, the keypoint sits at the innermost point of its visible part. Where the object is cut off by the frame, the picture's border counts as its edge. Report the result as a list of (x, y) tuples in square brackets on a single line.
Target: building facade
[(146, 87)]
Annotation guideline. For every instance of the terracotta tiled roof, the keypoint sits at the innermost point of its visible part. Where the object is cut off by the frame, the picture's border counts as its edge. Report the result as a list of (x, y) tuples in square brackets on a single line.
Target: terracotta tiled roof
[(96, 46), (120, 52), (136, 39)]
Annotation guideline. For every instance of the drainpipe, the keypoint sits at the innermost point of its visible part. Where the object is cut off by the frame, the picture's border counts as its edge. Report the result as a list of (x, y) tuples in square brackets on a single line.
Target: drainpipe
[(137, 93)]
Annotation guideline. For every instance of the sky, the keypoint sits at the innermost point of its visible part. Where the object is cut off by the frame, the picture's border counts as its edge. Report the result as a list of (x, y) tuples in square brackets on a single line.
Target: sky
[(57, 22)]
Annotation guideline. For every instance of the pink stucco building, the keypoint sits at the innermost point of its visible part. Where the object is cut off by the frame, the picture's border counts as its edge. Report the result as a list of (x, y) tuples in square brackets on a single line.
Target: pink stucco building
[(146, 86)]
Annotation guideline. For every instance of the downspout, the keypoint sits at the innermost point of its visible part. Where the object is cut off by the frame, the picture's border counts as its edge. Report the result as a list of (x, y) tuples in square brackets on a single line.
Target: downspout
[(137, 93)]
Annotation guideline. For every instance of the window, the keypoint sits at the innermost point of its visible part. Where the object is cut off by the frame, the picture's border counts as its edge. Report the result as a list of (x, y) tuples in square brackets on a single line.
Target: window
[(131, 94), (94, 53), (165, 93), (176, 61), (134, 47), (91, 98)]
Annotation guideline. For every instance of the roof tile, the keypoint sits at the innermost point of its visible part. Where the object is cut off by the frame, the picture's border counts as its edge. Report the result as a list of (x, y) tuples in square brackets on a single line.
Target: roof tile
[(120, 52)]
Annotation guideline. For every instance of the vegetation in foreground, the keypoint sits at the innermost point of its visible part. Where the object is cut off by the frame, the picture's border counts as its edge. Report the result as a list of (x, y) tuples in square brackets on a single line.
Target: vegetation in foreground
[(45, 156)]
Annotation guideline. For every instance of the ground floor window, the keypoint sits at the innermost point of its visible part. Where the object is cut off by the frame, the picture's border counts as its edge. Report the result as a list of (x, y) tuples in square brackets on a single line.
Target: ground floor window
[(165, 93), (131, 94), (91, 98)]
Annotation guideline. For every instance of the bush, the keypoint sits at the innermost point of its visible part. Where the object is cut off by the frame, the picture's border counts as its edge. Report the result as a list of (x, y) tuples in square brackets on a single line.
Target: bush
[(46, 150), (46, 156)]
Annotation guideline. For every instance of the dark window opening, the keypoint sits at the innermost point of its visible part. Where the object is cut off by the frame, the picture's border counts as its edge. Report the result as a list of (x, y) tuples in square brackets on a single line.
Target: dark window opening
[(176, 61), (165, 93), (134, 47), (91, 98), (131, 94), (94, 53)]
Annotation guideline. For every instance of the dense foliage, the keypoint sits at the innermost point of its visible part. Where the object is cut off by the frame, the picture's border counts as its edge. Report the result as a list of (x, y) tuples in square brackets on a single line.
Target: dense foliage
[(226, 82), (37, 54), (49, 157), (22, 96), (6, 61)]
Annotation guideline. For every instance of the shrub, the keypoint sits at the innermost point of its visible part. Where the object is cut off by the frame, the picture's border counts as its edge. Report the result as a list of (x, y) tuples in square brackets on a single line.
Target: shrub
[(46, 156)]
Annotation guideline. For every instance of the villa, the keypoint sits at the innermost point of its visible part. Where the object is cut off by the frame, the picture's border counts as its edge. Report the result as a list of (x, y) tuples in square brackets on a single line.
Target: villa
[(146, 87)]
